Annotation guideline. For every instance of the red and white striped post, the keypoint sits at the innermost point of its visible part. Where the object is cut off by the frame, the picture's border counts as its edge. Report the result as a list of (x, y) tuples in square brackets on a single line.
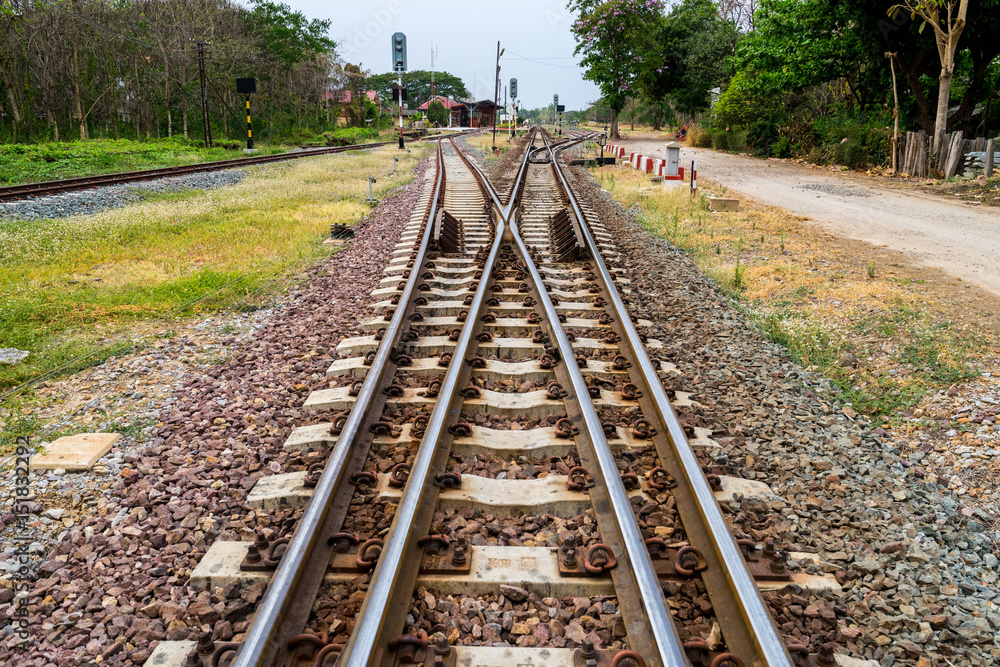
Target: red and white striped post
[(694, 177)]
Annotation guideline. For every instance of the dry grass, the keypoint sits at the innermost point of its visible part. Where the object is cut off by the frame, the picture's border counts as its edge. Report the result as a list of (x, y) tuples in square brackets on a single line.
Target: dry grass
[(886, 332), (484, 142), (78, 285)]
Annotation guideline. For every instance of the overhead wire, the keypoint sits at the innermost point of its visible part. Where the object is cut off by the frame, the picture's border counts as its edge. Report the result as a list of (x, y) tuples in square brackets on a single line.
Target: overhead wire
[(540, 61)]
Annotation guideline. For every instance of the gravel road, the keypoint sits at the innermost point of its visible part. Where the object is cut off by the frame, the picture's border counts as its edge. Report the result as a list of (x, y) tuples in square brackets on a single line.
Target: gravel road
[(958, 238)]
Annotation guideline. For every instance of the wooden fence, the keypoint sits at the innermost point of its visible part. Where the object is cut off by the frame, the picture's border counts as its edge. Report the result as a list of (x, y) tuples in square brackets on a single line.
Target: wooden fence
[(960, 156)]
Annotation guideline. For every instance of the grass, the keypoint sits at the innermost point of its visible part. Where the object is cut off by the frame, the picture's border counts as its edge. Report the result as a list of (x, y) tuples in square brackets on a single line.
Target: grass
[(878, 335), (79, 290), (27, 163), (484, 142)]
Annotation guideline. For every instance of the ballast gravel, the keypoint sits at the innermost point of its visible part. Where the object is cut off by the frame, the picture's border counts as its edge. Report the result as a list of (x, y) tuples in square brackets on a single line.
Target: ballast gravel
[(95, 200)]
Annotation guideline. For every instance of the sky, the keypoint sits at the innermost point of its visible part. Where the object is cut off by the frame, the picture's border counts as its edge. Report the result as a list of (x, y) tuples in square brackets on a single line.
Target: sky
[(534, 33)]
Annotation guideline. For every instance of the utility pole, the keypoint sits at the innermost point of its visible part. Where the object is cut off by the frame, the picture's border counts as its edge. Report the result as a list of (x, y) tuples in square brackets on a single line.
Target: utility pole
[(505, 111), (496, 95), (433, 53), (204, 93)]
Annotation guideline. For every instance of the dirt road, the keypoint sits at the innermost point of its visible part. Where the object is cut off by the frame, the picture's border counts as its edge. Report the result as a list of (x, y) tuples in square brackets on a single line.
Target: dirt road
[(960, 239)]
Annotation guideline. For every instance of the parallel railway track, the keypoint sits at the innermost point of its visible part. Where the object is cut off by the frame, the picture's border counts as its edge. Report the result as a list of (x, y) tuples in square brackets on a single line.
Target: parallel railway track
[(41, 189), (504, 386)]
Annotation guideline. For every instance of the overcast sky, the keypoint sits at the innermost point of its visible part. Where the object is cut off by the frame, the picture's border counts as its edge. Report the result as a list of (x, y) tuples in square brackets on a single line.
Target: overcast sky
[(535, 33)]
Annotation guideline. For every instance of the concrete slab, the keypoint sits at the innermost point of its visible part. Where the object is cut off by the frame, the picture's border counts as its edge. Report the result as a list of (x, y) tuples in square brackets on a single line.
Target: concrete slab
[(221, 565), (170, 654), (75, 452), (506, 497), (503, 348), (530, 404), (316, 437), (723, 204), (535, 569), (536, 442), (274, 491), (734, 486), (514, 308), (510, 656)]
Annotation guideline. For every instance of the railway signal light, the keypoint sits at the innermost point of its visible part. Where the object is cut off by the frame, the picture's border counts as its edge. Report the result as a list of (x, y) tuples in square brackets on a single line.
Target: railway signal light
[(399, 52), (513, 88)]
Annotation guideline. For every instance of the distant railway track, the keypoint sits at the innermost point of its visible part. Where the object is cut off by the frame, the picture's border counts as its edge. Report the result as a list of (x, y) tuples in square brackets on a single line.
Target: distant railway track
[(41, 189), (501, 335)]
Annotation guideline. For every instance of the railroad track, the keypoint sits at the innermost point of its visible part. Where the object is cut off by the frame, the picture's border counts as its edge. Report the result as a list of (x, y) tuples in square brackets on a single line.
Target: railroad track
[(24, 191), (500, 457)]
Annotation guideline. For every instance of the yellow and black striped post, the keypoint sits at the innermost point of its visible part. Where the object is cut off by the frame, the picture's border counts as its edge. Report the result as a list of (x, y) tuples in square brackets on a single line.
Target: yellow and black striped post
[(249, 132)]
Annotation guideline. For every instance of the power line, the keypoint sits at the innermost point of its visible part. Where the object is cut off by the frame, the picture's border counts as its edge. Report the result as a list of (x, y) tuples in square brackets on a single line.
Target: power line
[(540, 61)]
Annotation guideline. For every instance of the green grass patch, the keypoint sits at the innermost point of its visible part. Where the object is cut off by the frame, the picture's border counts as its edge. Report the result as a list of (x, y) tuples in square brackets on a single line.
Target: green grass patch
[(28, 163)]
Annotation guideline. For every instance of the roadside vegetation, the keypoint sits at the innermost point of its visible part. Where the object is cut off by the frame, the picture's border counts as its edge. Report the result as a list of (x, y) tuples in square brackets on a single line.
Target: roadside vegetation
[(75, 291), (885, 333), (823, 80)]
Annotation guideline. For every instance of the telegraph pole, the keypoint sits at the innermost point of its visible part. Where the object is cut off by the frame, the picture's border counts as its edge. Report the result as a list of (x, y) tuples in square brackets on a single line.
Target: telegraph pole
[(496, 95), (204, 93)]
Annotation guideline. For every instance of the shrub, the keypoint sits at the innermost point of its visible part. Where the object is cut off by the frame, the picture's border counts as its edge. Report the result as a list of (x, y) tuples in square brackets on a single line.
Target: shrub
[(852, 154), (698, 137), (737, 142), (719, 141), (348, 136)]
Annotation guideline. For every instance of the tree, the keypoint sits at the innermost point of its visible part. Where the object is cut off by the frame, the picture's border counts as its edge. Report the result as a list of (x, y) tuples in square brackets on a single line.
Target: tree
[(418, 86), (614, 38), (436, 113), (694, 48), (948, 23)]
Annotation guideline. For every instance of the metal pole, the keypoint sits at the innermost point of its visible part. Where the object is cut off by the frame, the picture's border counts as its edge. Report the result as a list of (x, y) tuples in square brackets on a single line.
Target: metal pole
[(496, 98), (694, 177), (399, 83), (204, 94), (249, 132)]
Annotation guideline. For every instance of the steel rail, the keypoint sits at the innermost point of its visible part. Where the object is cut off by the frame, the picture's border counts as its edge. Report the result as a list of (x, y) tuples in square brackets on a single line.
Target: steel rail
[(369, 634), (43, 188), (258, 645), (669, 647), (770, 647)]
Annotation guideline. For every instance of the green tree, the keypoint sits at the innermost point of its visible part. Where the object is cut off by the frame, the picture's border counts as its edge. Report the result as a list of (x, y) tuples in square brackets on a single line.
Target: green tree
[(694, 48), (288, 35), (436, 113), (418, 86), (615, 40)]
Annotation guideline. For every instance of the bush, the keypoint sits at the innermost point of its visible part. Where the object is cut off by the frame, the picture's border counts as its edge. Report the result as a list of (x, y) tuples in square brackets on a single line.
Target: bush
[(698, 137), (348, 136), (719, 142), (852, 154), (436, 113), (734, 142)]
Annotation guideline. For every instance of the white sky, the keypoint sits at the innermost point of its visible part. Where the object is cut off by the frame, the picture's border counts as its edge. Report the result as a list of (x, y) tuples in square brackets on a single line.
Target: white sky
[(465, 34)]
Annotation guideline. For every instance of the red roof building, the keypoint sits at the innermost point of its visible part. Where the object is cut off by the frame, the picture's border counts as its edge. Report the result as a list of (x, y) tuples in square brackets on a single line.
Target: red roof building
[(464, 114)]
